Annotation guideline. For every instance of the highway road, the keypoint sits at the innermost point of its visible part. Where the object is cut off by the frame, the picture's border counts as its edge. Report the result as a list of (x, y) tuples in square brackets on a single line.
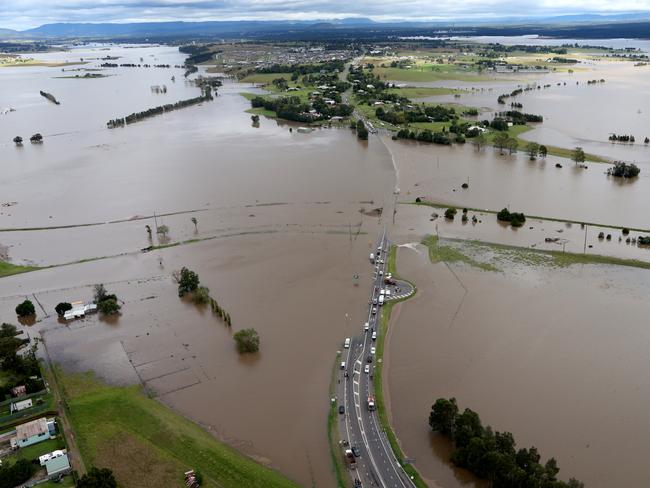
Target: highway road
[(359, 426)]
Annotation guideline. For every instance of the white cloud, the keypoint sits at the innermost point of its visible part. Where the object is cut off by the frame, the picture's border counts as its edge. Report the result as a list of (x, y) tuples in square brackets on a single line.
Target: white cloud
[(31, 13)]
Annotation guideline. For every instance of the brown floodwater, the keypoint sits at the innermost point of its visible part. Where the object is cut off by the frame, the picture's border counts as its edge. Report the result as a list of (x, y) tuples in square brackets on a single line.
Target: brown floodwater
[(557, 357), (535, 188), (284, 222), (415, 221)]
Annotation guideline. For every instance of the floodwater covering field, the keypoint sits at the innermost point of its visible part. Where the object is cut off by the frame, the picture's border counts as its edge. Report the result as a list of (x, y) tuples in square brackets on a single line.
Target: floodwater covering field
[(555, 356), (284, 222), (282, 228)]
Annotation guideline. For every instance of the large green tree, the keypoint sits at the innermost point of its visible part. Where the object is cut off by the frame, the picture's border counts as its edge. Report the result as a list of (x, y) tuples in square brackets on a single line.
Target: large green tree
[(443, 416)]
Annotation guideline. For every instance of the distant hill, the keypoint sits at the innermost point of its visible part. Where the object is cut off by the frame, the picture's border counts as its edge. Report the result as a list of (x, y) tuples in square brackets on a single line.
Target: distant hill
[(583, 26)]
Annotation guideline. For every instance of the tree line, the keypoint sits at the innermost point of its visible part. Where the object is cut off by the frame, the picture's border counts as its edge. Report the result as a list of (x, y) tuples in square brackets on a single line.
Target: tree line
[(492, 455), (292, 108), (246, 340), (145, 114)]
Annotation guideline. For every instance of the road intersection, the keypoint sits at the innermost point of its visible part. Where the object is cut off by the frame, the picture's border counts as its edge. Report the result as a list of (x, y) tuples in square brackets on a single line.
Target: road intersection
[(359, 425)]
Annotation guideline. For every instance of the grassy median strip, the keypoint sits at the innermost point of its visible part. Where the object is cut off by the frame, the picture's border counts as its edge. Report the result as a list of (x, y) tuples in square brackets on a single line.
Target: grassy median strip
[(333, 431), (379, 397), (147, 444)]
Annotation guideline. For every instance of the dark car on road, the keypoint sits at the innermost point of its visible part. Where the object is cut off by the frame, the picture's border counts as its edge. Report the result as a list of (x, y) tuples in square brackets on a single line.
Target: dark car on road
[(356, 451), (341, 409)]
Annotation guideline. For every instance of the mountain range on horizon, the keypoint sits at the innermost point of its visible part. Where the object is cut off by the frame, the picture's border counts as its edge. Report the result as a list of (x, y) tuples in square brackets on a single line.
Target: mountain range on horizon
[(244, 28)]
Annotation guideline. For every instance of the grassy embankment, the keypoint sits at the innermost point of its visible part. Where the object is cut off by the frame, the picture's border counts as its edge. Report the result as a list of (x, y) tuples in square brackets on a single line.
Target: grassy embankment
[(468, 252), (415, 92), (550, 219), (333, 436), (382, 414), (8, 269), (516, 130), (147, 444)]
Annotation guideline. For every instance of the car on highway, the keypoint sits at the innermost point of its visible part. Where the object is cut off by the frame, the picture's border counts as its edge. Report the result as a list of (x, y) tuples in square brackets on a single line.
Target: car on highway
[(356, 451), (366, 369), (374, 301), (341, 409), (374, 335), (381, 273), (373, 350), (346, 344), (342, 364), (374, 310), (369, 358), (366, 326)]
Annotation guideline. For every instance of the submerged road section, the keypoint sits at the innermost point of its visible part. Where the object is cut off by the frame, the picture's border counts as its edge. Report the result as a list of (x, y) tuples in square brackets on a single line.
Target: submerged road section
[(364, 446)]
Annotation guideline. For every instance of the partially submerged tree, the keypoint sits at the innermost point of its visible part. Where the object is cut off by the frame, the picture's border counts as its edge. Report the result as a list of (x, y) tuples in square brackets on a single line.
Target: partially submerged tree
[(109, 306), (201, 295), (479, 141), (578, 155), (107, 303), (248, 340), (188, 281), (533, 149), (62, 308), (25, 309)]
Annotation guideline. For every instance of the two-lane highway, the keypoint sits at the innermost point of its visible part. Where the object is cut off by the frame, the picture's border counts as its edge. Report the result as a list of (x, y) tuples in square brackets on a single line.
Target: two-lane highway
[(376, 463)]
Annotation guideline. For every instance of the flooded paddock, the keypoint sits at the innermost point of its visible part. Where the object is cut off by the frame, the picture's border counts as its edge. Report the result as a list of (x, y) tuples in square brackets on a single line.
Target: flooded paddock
[(297, 291), (557, 357), (536, 188)]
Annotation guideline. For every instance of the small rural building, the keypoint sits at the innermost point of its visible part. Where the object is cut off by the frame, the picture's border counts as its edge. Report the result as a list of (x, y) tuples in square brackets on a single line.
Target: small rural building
[(79, 309), (33, 432), (58, 465), (18, 391), (18, 406)]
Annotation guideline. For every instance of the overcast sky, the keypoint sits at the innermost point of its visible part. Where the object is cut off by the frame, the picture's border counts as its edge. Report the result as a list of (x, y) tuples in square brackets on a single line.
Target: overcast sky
[(22, 14)]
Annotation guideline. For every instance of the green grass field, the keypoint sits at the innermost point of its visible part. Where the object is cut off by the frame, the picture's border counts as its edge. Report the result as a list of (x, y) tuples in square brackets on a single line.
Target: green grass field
[(147, 444), (8, 269), (265, 77), (422, 92), (423, 73)]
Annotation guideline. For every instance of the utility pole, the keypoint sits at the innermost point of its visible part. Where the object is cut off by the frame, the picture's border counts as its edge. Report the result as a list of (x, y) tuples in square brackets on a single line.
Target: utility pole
[(155, 220), (584, 249)]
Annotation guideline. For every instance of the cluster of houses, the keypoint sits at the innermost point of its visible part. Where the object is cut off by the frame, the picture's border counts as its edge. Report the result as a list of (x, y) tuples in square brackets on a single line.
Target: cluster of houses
[(56, 463), (264, 56)]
